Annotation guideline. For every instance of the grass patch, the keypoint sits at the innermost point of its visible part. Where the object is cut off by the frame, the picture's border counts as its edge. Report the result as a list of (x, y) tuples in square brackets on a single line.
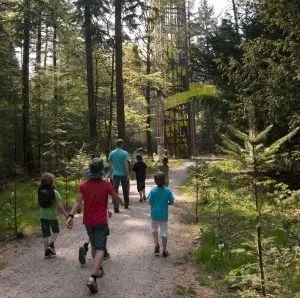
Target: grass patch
[(2, 265)]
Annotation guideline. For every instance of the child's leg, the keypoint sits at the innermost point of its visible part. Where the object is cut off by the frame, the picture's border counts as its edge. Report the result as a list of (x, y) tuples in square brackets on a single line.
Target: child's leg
[(86, 244), (141, 196), (46, 242), (55, 230), (155, 237), (164, 243), (143, 190), (154, 226), (164, 237), (83, 251), (53, 238), (45, 226), (93, 251)]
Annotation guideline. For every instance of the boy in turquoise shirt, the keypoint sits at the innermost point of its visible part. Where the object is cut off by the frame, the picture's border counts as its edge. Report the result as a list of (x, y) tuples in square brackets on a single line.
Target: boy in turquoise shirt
[(160, 198)]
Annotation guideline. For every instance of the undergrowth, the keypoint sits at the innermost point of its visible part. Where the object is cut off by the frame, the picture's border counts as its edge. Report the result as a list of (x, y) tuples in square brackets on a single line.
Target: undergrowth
[(227, 241), (19, 210)]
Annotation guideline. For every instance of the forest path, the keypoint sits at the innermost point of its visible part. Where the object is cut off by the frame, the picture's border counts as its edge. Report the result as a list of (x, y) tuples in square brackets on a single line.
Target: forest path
[(132, 271)]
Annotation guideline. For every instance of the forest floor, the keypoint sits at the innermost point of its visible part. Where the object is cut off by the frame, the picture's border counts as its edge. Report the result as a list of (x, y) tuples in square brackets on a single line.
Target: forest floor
[(132, 271)]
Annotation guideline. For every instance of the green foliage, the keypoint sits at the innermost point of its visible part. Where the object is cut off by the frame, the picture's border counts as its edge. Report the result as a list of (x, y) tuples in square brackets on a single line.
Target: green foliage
[(26, 207), (229, 217), (184, 291)]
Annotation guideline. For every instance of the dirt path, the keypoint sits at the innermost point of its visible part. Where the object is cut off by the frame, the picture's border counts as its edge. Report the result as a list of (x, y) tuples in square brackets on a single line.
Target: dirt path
[(132, 271)]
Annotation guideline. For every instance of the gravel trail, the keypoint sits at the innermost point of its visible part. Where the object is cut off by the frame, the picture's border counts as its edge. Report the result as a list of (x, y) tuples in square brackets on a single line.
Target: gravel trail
[(132, 271)]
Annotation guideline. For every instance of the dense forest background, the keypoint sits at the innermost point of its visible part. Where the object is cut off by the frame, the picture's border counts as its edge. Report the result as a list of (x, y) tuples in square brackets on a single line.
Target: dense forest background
[(64, 82)]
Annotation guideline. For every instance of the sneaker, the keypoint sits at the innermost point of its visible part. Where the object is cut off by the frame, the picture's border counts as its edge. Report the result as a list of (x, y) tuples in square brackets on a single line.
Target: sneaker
[(165, 253), (92, 285), (144, 197), (106, 255), (126, 207), (50, 252), (82, 255), (117, 210), (52, 249), (47, 253), (141, 200), (156, 249)]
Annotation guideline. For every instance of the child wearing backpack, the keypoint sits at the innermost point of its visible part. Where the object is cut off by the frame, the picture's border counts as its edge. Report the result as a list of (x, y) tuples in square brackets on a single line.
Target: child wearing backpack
[(50, 202)]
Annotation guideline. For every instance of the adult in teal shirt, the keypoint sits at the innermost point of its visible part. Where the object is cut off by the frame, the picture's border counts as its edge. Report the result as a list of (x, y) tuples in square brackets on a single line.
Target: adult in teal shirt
[(118, 160)]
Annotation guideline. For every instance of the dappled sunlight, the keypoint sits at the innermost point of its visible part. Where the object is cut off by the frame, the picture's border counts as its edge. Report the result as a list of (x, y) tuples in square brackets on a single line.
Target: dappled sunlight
[(134, 222)]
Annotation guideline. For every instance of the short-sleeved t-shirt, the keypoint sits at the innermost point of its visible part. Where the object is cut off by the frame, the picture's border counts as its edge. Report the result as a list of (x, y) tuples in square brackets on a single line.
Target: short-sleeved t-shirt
[(140, 169), (51, 212), (95, 197), (159, 198), (118, 157)]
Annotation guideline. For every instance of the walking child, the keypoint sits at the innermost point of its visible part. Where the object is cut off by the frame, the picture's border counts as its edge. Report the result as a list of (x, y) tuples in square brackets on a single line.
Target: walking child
[(140, 169), (50, 202), (165, 169), (85, 247), (94, 193), (160, 197)]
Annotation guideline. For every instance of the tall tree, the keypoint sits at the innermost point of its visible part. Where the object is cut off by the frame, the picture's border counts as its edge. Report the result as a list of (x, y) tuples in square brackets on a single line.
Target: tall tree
[(89, 70), (119, 70), (27, 146)]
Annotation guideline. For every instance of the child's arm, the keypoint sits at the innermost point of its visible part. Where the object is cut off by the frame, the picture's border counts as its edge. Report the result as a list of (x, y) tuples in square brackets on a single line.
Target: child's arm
[(62, 209), (171, 199), (108, 174), (116, 199), (75, 208)]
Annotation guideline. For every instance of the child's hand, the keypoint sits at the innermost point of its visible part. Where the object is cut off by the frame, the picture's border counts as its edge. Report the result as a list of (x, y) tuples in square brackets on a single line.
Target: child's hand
[(69, 223)]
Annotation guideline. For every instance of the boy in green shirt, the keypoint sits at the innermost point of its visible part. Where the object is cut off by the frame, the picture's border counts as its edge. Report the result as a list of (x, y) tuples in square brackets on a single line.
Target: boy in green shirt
[(50, 202)]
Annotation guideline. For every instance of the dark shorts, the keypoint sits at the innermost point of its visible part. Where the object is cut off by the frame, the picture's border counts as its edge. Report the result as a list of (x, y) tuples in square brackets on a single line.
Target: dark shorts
[(46, 224), (140, 184), (98, 235)]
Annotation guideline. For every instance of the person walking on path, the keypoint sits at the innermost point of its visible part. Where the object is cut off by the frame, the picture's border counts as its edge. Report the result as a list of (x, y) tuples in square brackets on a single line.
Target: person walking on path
[(118, 160), (49, 200), (94, 193), (160, 197), (140, 169)]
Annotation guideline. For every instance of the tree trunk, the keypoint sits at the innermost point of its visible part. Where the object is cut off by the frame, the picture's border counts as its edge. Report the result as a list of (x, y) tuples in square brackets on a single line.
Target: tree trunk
[(46, 47), (27, 147), (119, 71), (55, 94), (109, 135), (236, 21), (38, 86), (89, 70), (148, 98)]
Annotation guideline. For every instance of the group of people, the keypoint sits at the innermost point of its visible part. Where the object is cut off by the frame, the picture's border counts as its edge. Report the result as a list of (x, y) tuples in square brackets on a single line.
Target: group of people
[(94, 191)]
